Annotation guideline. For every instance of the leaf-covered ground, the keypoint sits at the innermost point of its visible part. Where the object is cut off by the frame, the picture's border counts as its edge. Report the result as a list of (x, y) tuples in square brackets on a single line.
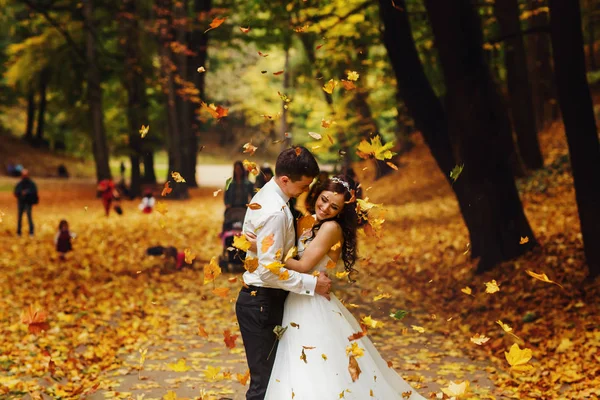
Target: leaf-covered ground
[(111, 309)]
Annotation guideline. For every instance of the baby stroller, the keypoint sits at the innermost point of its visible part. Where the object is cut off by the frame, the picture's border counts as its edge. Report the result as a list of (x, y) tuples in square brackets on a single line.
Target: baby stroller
[(232, 260)]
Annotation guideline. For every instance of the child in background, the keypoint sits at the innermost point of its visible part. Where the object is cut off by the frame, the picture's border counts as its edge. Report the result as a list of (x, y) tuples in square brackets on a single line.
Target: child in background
[(169, 253), (148, 201), (62, 240)]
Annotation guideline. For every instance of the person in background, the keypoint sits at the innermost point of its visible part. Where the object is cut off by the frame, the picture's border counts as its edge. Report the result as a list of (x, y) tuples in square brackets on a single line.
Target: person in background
[(62, 239), (108, 193), (148, 201), (27, 196), (265, 175), (240, 190)]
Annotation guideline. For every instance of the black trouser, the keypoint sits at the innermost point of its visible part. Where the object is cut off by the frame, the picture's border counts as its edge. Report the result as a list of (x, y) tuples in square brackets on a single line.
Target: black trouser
[(257, 316), (25, 208)]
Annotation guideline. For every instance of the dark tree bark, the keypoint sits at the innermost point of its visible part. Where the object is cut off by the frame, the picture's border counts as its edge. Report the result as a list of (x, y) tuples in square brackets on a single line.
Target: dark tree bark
[(94, 94), (30, 114), (591, 34), (283, 127), (137, 101), (519, 87), (580, 124), (423, 105), (149, 174), (540, 67), (479, 124), (39, 133)]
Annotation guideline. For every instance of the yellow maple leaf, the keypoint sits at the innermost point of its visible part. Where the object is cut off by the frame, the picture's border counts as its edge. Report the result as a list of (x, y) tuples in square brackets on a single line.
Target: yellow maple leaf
[(189, 256), (504, 326), (211, 373), (524, 240), (329, 86), (354, 350), (243, 379), (330, 264), (177, 177), (492, 287), (171, 395), (518, 358), (144, 131), (353, 76), (240, 242), (211, 270), (249, 148), (342, 275), (284, 276), (375, 149), (179, 366), (250, 264), (479, 339), (251, 167), (542, 277), (457, 389), (466, 290), (275, 267), (382, 296), (267, 242), (371, 323), (278, 254)]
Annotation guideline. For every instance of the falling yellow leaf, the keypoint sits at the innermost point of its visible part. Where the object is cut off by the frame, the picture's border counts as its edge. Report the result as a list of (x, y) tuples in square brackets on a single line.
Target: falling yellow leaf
[(250, 264), (466, 290), (542, 277), (179, 366), (382, 296), (342, 275), (505, 327), (354, 370), (161, 208), (330, 264), (315, 135), (275, 267), (249, 148), (324, 357), (267, 242), (189, 256), (456, 390), (201, 70), (291, 253), (177, 177), (327, 123), (518, 358), (216, 22), (216, 192), (329, 86), (371, 323), (240, 242), (211, 271), (492, 287), (353, 76), (251, 167), (284, 276), (479, 339), (375, 149), (524, 240), (355, 350), (144, 131), (418, 328)]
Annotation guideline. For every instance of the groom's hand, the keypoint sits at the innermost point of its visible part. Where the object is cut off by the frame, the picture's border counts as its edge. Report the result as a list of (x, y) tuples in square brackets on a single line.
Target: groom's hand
[(323, 285)]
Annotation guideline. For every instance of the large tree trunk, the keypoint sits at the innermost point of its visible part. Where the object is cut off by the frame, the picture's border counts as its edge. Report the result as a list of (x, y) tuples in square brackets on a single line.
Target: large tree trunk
[(591, 9), (519, 87), (423, 105), (540, 67), (479, 124), (580, 125), (30, 114), (137, 101), (94, 94), (39, 133), (149, 174)]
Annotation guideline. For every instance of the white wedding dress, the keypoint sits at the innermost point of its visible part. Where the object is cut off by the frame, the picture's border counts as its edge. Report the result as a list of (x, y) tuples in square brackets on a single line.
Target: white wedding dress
[(322, 372)]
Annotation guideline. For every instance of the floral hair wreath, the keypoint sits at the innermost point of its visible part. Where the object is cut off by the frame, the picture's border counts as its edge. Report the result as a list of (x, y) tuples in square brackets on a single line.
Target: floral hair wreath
[(341, 182)]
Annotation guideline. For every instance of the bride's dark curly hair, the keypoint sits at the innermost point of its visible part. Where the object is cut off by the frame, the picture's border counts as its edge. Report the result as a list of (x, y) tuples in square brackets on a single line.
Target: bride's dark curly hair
[(347, 218)]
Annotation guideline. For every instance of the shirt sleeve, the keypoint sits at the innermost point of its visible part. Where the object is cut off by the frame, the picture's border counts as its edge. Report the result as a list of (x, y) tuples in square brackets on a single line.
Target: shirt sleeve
[(275, 225)]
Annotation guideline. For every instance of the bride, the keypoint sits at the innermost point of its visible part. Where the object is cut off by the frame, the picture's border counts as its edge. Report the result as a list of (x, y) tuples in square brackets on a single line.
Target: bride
[(315, 358)]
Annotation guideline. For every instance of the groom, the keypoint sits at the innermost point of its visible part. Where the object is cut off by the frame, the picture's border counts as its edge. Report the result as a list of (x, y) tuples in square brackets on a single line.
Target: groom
[(259, 307)]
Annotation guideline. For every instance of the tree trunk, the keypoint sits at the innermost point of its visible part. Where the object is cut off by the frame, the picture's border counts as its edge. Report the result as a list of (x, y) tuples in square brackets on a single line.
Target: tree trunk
[(423, 105), (540, 67), (580, 124), (591, 34), (283, 127), (94, 94), (149, 173), (479, 124), (30, 114), (39, 133), (137, 101), (519, 88)]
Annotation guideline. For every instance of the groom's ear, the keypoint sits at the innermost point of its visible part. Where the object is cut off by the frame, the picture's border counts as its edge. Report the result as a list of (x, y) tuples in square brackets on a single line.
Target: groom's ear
[(285, 179)]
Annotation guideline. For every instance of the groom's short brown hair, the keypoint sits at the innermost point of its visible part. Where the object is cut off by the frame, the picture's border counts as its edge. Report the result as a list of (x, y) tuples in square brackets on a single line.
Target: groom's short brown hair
[(295, 163)]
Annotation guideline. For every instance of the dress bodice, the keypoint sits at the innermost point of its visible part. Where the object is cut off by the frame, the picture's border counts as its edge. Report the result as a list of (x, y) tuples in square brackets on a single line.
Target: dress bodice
[(303, 243)]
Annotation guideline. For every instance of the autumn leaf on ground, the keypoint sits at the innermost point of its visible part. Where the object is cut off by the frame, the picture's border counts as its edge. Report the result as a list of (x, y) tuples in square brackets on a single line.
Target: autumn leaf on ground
[(353, 368), (179, 366), (221, 292), (212, 373), (143, 353), (35, 319), (491, 287), (382, 296), (144, 131), (201, 70), (189, 256), (371, 323), (250, 264), (355, 350), (479, 339), (275, 267), (202, 332), (374, 148), (170, 395), (524, 240), (466, 290), (315, 135), (267, 242), (211, 270), (161, 208), (249, 148), (399, 314), (166, 189), (542, 277), (418, 328), (177, 177), (216, 22), (240, 242), (243, 379), (329, 86), (245, 30), (229, 339), (251, 167), (518, 358), (456, 171), (457, 389)]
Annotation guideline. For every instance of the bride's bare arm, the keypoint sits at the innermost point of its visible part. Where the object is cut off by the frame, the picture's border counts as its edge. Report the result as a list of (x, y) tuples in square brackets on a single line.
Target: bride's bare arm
[(328, 235)]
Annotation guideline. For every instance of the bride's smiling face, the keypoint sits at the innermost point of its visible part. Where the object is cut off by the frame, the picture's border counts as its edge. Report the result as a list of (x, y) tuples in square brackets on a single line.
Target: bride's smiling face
[(328, 205)]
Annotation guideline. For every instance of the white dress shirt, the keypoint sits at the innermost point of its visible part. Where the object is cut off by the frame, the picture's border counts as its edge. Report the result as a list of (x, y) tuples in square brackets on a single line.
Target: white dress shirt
[(274, 217)]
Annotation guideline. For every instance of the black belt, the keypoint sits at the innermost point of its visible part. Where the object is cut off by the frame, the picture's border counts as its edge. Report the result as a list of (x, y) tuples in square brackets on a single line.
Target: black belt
[(266, 291)]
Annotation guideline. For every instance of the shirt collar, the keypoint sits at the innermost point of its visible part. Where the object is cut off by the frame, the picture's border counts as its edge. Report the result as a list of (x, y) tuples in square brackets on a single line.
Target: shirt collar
[(278, 190)]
